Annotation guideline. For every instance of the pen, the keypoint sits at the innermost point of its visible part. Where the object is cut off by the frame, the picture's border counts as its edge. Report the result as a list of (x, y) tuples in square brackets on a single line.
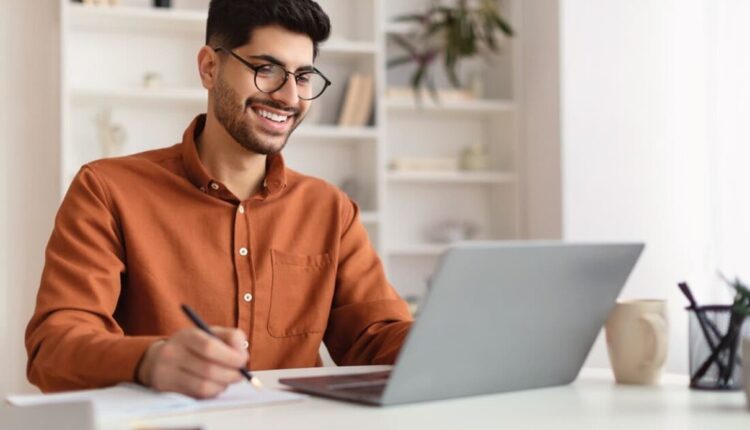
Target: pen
[(201, 325)]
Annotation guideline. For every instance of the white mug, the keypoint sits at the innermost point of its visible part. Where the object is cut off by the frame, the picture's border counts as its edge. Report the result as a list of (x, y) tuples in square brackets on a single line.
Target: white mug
[(636, 334)]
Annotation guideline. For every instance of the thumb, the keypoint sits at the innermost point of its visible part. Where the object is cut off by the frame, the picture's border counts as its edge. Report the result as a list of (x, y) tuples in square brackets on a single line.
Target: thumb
[(233, 337)]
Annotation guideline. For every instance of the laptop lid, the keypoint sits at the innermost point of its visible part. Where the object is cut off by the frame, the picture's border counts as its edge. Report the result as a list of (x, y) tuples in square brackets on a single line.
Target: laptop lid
[(505, 316)]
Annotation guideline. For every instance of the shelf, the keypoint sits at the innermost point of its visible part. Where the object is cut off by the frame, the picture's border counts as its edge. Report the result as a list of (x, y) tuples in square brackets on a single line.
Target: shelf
[(136, 19), (369, 217), (138, 95), (401, 28), (419, 250), (336, 132), (175, 21), (460, 177), (342, 47), (468, 106)]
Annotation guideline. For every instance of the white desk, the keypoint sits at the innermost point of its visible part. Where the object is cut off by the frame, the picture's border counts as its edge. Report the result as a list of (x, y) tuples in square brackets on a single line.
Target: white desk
[(592, 402)]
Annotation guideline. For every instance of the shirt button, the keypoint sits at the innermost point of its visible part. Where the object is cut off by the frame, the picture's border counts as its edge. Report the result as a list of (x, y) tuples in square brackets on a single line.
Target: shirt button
[(247, 297), (245, 344), (243, 251), (214, 186), (241, 209)]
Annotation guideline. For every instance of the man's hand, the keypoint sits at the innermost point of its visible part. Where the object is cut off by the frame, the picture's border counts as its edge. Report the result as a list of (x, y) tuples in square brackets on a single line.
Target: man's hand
[(194, 363)]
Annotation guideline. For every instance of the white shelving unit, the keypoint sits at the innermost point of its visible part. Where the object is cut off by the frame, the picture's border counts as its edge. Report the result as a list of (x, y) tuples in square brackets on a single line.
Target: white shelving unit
[(108, 49)]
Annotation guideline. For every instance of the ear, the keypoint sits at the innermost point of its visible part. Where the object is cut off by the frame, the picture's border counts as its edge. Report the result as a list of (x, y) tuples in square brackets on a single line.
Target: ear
[(208, 66)]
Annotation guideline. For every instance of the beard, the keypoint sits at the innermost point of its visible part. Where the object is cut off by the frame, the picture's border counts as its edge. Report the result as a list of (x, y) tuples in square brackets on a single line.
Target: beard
[(231, 113)]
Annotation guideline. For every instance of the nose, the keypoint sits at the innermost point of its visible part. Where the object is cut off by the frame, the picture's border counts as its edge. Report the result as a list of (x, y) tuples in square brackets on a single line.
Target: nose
[(287, 94)]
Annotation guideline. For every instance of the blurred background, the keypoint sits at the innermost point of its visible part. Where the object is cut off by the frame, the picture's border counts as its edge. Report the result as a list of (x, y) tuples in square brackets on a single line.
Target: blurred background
[(596, 120)]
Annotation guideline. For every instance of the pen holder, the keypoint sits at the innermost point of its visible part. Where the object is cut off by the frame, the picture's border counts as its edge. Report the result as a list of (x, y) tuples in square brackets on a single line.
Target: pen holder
[(716, 347)]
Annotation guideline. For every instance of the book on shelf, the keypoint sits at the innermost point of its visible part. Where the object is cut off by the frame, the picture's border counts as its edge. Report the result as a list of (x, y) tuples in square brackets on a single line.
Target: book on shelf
[(364, 101), (356, 108)]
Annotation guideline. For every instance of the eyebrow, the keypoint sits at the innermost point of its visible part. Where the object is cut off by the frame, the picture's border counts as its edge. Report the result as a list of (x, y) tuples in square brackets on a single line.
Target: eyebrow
[(274, 60)]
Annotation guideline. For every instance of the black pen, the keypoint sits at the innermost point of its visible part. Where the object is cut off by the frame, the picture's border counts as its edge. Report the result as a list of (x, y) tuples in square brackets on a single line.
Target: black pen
[(201, 325)]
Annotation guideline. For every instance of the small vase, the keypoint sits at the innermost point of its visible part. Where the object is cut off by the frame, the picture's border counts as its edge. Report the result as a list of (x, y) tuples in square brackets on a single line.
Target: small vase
[(475, 158), (162, 3)]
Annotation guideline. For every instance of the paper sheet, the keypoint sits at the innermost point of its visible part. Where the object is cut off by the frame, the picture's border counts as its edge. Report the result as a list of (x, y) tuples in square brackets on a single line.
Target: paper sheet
[(130, 400)]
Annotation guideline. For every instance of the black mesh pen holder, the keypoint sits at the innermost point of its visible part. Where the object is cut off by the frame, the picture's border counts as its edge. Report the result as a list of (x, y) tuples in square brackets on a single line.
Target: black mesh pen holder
[(715, 347)]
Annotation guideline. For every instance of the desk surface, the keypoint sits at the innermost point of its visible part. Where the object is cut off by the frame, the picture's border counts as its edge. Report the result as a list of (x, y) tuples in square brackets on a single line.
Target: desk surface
[(593, 401)]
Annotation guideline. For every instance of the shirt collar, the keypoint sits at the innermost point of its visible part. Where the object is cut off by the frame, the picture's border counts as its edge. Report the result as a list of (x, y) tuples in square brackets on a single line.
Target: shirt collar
[(274, 182)]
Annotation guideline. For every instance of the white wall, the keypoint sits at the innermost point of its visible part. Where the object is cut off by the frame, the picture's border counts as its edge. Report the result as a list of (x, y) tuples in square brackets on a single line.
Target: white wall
[(3, 195), (4, 117), (540, 123), (731, 137), (637, 102), (29, 108)]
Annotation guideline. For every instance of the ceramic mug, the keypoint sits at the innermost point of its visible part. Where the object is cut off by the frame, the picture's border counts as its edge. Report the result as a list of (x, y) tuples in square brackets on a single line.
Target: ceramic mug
[(636, 334)]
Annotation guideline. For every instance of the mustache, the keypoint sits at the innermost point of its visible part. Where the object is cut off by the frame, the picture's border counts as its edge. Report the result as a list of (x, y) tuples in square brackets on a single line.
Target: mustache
[(273, 104)]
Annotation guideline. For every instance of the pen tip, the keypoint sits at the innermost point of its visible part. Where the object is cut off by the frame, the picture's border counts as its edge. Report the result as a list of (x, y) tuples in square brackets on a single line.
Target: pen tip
[(256, 383)]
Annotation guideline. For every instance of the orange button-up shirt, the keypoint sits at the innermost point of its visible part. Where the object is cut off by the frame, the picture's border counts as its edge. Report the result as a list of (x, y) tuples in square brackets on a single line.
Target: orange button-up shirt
[(137, 236)]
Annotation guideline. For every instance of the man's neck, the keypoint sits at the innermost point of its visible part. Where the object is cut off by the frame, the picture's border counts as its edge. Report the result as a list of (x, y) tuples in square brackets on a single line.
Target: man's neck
[(226, 160)]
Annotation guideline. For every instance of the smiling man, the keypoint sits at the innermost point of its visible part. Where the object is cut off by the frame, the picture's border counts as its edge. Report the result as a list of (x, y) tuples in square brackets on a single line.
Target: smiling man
[(276, 261)]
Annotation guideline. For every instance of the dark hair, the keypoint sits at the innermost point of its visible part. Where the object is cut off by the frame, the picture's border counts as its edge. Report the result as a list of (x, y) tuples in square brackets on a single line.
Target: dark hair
[(231, 22)]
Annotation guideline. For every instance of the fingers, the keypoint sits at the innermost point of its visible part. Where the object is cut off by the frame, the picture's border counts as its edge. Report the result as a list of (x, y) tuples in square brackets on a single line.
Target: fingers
[(211, 371), (231, 336), (197, 364), (212, 349), (192, 385)]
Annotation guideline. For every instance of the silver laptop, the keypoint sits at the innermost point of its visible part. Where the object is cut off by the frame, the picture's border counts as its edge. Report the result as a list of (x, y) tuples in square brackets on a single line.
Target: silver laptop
[(499, 316)]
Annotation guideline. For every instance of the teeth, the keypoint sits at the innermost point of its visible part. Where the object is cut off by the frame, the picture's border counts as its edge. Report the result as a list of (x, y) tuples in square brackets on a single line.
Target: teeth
[(272, 116)]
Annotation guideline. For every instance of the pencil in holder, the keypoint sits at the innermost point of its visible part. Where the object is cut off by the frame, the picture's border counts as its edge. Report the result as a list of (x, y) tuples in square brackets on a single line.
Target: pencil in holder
[(716, 334)]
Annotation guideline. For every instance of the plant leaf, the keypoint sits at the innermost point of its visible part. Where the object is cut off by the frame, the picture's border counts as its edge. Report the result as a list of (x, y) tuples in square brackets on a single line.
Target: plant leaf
[(416, 79), (503, 25), (409, 17), (406, 44)]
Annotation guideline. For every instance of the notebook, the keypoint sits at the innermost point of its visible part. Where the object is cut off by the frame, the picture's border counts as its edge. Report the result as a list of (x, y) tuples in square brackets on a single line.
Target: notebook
[(131, 400)]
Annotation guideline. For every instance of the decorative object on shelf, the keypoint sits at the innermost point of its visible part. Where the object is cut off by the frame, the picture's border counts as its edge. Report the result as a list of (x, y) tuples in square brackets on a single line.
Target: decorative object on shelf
[(412, 301), (475, 157), (476, 85), (715, 334), (351, 186), (162, 3), (424, 164), (356, 108), (406, 93), (152, 80), (468, 29), (111, 136), (98, 2), (453, 231)]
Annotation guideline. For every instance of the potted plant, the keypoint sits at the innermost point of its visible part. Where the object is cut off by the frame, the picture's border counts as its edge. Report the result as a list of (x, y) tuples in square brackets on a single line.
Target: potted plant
[(465, 30)]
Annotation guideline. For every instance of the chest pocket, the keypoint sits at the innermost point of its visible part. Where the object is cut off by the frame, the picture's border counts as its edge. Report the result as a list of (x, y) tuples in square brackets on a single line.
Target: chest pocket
[(301, 293)]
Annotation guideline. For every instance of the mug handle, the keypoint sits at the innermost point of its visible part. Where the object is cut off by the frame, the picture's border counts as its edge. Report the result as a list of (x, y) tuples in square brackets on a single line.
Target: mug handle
[(658, 327)]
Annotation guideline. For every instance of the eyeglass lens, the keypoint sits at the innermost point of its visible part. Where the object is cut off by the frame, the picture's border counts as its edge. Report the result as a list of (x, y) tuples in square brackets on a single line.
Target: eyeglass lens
[(271, 77)]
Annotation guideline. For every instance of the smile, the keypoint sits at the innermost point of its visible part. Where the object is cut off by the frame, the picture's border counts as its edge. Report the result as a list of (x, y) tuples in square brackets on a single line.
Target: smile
[(271, 116)]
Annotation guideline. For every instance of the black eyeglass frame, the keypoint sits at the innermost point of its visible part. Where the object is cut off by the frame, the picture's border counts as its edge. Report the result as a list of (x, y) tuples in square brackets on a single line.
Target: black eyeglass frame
[(257, 67)]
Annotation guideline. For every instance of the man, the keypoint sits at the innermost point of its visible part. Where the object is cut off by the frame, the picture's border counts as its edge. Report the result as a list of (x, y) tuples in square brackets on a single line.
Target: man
[(276, 261)]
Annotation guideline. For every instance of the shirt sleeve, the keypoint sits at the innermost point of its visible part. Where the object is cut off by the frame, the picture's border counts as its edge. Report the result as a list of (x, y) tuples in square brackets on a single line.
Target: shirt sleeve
[(73, 340), (368, 321)]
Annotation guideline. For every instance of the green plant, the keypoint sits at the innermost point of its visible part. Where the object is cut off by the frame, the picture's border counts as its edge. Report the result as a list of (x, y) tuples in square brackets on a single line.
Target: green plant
[(467, 29)]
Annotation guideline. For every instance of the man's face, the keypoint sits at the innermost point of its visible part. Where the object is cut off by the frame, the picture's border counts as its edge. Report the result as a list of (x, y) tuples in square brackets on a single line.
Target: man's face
[(244, 110)]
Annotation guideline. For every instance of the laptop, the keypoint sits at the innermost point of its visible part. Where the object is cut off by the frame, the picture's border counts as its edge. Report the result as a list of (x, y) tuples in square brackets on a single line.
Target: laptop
[(498, 317)]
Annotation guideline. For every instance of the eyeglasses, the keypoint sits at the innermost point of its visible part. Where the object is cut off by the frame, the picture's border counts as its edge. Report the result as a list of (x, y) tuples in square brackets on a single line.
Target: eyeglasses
[(270, 77)]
